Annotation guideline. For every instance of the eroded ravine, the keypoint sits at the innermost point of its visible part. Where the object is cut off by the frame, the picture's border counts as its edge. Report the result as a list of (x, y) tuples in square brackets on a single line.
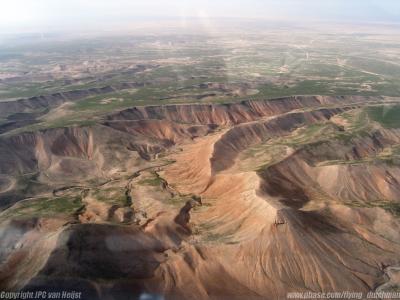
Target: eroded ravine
[(244, 200)]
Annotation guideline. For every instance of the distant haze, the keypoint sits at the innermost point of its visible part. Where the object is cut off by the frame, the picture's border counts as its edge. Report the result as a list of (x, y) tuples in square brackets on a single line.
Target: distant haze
[(47, 15)]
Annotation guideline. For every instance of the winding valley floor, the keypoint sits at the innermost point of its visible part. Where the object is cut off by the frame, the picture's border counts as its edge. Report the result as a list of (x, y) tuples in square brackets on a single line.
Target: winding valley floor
[(248, 200)]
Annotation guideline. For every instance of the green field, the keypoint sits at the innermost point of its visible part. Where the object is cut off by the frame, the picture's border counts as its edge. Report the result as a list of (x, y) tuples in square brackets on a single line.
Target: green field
[(387, 115), (43, 207), (198, 68)]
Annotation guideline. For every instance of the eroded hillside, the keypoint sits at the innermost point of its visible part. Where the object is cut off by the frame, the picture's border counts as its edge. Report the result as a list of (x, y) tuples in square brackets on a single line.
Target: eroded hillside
[(248, 200)]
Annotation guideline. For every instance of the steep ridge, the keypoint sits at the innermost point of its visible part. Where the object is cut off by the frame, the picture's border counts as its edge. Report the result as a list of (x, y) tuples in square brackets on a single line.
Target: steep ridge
[(68, 156), (197, 155), (240, 137), (160, 129), (303, 250), (234, 113), (304, 253), (209, 231), (210, 156), (316, 169), (219, 152), (30, 152)]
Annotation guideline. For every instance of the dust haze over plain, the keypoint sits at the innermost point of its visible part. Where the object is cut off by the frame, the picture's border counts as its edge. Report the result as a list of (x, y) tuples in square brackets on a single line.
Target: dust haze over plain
[(21, 16)]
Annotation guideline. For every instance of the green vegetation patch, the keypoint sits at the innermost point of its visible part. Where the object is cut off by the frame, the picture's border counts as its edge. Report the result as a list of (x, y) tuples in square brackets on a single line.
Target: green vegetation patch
[(387, 115), (389, 206), (207, 233), (393, 208), (156, 181), (42, 207), (178, 200), (112, 196)]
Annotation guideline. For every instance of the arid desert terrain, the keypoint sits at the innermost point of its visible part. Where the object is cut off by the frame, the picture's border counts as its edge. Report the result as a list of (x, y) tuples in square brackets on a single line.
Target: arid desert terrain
[(229, 165)]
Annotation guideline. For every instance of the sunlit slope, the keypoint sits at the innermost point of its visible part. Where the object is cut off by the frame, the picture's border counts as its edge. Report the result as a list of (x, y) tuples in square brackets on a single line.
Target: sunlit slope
[(247, 200)]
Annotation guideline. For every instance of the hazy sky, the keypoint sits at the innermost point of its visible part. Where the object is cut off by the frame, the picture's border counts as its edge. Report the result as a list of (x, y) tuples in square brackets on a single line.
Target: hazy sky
[(51, 14)]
